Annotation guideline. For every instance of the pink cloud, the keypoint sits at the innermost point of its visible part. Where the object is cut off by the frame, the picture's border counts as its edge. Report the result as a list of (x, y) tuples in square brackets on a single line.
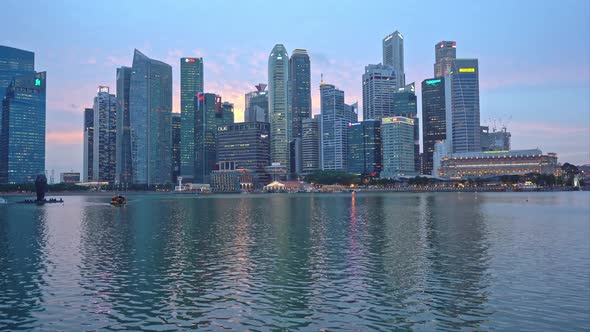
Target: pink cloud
[(65, 137)]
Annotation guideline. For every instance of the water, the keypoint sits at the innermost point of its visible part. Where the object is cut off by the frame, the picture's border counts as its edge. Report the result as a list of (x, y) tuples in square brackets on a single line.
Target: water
[(444, 261)]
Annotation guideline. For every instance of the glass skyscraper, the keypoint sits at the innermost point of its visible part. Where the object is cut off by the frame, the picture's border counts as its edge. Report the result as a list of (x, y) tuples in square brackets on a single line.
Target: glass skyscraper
[(14, 62), (278, 102), (462, 106), (445, 52), (300, 79), (379, 85), (191, 82), (405, 104), (397, 139), (105, 132), (310, 145), (364, 145), (123, 168), (433, 118), (257, 105), (22, 130), (176, 130), (150, 110), (393, 55), (88, 162)]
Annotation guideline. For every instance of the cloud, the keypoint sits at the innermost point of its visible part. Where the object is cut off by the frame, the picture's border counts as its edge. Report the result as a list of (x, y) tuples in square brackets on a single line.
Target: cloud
[(65, 137)]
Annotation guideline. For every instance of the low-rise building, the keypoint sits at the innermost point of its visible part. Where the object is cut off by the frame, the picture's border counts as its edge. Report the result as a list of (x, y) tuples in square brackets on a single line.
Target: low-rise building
[(69, 177)]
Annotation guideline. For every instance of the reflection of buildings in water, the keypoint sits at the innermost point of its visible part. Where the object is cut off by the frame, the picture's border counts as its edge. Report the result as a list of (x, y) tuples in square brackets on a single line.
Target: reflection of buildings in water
[(23, 264), (458, 260)]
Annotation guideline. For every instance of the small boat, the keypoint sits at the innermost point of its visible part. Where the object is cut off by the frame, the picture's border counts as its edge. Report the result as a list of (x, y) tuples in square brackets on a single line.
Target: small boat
[(118, 200), (3, 201)]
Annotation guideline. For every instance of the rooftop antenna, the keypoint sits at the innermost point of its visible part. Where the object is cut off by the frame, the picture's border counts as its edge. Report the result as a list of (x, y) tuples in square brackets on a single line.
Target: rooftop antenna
[(321, 78)]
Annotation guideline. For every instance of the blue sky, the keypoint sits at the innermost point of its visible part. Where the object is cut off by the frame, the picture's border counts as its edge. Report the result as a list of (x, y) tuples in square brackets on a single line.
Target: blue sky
[(534, 56)]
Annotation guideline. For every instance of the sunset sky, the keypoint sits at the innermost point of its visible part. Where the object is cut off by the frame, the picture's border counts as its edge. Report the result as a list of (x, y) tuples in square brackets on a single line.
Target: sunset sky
[(534, 56)]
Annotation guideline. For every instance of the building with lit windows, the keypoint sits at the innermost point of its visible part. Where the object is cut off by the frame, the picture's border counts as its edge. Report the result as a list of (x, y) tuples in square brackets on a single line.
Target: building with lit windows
[(88, 162), (433, 118), (397, 141), (444, 52), (256, 109), (379, 85), (393, 55), (69, 177), (364, 145), (278, 104), (176, 135), (300, 85), (123, 173), (497, 163), (495, 140), (405, 104), (14, 62), (191, 82), (310, 145), (105, 135)]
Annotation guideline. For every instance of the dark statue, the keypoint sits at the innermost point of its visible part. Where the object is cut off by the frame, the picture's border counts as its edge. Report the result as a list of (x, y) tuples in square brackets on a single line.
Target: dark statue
[(41, 186)]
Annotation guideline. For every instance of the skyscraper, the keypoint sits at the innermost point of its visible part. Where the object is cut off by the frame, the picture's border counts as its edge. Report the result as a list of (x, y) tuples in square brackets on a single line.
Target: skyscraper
[(191, 82), (335, 117), (14, 62), (445, 52), (433, 118), (462, 106), (176, 130), (88, 162), (379, 85), (278, 102), (150, 110), (105, 135), (257, 105), (310, 145), (123, 174), (300, 83), (393, 54), (397, 139), (405, 104), (364, 144), (22, 130)]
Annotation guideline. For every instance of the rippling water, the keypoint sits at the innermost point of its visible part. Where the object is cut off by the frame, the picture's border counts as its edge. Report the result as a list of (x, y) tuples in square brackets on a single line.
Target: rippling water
[(445, 261)]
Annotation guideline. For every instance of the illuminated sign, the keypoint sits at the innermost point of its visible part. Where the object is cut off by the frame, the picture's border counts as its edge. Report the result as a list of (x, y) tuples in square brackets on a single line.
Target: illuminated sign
[(350, 124), (37, 82), (103, 89), (467, 70), (224, 128), (430, 82), (263, 135), (190, 60), (397, 119), (496, 152)]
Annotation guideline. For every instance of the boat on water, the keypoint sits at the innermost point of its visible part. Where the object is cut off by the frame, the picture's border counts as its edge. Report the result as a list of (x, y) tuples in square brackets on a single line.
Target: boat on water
[(118, 200), (3, 201)]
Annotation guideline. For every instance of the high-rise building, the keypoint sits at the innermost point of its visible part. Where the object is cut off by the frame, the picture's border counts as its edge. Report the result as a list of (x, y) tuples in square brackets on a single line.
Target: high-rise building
[(278, 102), (105, 135), (433, 118), (209, 114), (22, 130), (393, 54), (462, 106), (335, 117), (364, 144), (397, 139), (123, 174), (88, 162), (191, 82), (310, 145), (405, 104), (445, 52), (14, 62), (379, 85), (300, 84), (495, 140), (176, 135), (247, 146), (150, 113), (257, 105)]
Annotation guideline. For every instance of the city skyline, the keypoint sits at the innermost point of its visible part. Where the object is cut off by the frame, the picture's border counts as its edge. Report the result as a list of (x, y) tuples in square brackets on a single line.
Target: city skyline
[(517, 82)]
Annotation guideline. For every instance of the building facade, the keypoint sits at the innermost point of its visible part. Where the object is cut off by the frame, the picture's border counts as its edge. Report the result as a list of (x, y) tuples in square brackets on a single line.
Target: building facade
[(405, 104), (364, 143), (256, 109), (14, 62), (393, 55), (310, 145), (444, 54), (247, 146), (497, 163), (150, 110), (176, 136), (379, 85), (191, 82), (105, 135), (88, 162), (69, 177), (397, 139), (123, 173), (433, 119), (495, 140), (462, 106), (300, 90), (278, 103)]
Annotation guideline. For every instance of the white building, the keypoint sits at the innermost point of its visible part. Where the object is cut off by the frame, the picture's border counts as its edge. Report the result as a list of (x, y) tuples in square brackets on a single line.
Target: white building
[(397, 143)]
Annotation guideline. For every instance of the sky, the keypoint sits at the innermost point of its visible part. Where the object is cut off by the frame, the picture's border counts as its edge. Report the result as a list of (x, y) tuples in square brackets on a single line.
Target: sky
[(534, 56)]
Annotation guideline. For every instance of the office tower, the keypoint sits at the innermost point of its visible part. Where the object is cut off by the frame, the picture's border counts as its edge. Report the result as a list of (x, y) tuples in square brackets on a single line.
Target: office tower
[(22, 130), (257, 105), (150, 112), (14, 62), (462, 106), (335, 117), (123, 174), (433, 118), (176, 135), (210, 113), (247, 146), (393, 54), (295, 156), (278, 104), (445, 52), (191, 82), (88, 162), (379, 85), (300, 84), (364, 144), (397, 139), (495, 140), (405, 104), (105, 135), (310, 145)]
